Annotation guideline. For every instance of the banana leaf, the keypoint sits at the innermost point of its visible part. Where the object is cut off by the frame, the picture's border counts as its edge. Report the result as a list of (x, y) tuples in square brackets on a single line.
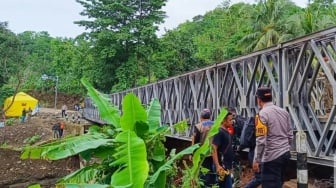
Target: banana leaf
[(107, 111), (168, 165), (132, 111), (131, 160), (154, 115), (83, 175), (83, 186), (67, 147)]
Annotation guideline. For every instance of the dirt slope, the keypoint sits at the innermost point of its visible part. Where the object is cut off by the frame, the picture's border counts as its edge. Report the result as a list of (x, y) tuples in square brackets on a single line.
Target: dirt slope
[(15, 172)]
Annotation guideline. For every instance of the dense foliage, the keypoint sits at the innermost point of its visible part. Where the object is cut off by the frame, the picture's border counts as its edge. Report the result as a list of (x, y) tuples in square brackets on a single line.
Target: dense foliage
[(123, 36), (128, 151), (120, 48)]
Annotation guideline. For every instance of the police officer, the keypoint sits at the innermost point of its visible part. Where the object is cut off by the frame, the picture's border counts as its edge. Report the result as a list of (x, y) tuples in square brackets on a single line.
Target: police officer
[(273, 139)]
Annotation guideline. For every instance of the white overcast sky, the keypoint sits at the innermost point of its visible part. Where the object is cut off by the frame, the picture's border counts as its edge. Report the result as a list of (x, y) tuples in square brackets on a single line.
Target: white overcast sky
[(57, 16)]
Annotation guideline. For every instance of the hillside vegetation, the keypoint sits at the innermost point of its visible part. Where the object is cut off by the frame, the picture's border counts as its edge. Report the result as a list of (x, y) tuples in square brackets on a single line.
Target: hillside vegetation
[(121, 48)]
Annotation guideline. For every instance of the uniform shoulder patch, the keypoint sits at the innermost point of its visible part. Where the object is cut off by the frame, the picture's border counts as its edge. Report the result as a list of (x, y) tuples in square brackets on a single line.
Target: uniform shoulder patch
[(261, 128)]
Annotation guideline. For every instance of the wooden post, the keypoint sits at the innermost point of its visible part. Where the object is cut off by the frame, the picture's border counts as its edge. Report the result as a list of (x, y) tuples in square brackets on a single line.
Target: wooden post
[(301, 163)]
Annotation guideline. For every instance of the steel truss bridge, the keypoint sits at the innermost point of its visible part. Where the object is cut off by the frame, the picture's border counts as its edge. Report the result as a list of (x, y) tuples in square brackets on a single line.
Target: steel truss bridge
[(301, 73)]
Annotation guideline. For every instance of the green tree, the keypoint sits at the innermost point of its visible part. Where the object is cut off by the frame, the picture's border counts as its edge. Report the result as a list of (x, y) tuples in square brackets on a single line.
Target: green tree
[(68, 59), (316, 16), (12, 64), (11, 57), (122, 35), (37, 48), (268, 24), (322, 13), (222, 29), (177, 49), (68, 63)]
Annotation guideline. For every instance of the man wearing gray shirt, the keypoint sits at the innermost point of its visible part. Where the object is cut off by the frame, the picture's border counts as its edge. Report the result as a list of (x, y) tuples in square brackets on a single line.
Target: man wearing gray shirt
[(274, 136)]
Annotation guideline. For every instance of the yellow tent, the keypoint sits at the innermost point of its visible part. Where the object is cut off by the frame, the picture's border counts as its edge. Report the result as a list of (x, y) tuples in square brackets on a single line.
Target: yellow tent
[(21, 101)]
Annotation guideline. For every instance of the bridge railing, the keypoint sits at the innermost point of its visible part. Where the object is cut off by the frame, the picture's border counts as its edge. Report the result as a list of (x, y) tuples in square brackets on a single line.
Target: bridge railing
[(301, 73)]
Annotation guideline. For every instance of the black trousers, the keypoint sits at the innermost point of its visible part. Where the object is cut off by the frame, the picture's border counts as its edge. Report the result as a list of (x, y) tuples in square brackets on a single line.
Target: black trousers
[(61, 133), (209, 178), (272, 172), (63, 113)]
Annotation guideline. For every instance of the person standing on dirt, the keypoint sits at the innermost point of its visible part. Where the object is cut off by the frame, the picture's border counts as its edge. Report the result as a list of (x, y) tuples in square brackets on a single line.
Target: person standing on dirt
[(61, 130), (23, 115), (77, 107), (73, 118), (222, 152), (274, 136), (56, 130), (66, 117), (78, 118), (200, 132), (64, 109)]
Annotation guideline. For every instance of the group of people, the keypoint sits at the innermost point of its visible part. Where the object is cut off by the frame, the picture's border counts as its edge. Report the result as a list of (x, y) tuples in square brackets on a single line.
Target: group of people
[(58, 129), (270, 155), (75, 117)]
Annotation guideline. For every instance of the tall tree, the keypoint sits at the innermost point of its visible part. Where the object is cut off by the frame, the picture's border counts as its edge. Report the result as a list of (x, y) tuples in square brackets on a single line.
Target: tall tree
[(268, 24), (11, 58), (177, 49), (67, 59), (316, 16), (12, 64), (223, 28), (123, 35), (36, 47)]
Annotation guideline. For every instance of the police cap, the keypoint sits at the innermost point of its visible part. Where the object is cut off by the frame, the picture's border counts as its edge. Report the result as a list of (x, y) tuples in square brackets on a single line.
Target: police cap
[(264, 93)]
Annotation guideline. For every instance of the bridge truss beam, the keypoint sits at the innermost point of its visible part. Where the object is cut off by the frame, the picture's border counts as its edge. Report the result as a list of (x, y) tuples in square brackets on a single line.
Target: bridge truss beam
[(300, 72)]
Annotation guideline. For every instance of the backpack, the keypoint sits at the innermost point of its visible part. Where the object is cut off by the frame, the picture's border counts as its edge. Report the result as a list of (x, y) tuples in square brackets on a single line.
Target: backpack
[(248, 138), (203, 129), (239, 124)]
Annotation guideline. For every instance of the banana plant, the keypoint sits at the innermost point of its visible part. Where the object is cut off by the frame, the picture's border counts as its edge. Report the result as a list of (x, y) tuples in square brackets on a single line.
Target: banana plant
[(130, 147)]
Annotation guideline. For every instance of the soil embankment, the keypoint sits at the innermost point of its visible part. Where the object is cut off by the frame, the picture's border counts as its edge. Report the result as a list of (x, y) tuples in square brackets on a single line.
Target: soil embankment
[(15, 172)]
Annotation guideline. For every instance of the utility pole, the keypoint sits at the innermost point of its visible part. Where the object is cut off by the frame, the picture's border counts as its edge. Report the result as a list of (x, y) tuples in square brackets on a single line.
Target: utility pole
[(56, 85), (55, 79)]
